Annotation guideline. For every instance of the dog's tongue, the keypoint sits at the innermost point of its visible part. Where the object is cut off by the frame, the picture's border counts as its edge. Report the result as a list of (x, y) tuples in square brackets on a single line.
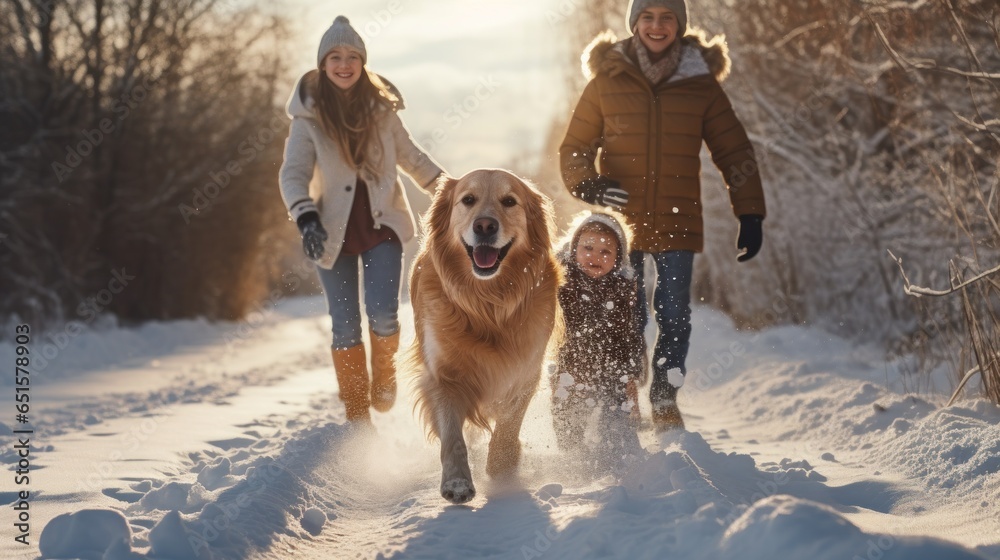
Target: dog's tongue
[(485, 256)]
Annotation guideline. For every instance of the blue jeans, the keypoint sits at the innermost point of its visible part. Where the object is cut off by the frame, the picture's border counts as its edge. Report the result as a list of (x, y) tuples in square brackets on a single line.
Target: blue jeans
[(672, 303), (383, 268)]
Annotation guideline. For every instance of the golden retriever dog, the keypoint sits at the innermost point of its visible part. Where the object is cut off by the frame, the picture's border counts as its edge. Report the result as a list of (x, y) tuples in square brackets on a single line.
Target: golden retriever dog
[(483, 289)]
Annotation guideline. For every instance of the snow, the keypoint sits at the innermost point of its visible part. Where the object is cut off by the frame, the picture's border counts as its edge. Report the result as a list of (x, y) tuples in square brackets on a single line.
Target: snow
[(675, 377), (786, 527), (189, 443), (86, 533)]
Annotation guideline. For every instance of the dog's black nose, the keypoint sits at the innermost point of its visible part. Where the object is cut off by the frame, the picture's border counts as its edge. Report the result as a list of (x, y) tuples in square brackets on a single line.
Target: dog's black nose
[(485, 226)]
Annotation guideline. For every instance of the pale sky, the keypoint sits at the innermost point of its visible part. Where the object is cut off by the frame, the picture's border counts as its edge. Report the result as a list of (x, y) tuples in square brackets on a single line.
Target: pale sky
[(482, 79)]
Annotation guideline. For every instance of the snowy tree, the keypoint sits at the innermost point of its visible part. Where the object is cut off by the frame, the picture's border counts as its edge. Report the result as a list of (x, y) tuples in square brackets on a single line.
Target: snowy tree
[(140, 136)]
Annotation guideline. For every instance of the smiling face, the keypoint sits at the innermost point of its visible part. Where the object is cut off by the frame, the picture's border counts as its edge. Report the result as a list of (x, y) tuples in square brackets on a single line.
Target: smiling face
[(488, 215), (343, 67), (596, 253), (657, 29)]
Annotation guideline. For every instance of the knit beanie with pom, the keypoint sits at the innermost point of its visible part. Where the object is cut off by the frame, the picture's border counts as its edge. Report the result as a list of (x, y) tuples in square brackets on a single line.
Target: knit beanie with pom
[(341, 34)]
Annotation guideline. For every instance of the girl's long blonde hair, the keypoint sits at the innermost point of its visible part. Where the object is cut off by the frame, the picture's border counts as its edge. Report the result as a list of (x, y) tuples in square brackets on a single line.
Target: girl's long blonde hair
[(350, 117)]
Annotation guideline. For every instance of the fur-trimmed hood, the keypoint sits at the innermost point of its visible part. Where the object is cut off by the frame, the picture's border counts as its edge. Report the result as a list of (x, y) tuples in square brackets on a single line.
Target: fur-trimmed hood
[(701, 56), (611, 220)]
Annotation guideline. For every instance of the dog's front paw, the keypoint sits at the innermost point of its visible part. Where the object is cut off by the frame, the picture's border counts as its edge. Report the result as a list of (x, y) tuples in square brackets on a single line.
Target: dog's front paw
[(458, 490)]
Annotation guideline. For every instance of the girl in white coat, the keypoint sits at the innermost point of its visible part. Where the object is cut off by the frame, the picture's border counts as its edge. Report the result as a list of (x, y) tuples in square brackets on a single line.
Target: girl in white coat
[(340, 183)]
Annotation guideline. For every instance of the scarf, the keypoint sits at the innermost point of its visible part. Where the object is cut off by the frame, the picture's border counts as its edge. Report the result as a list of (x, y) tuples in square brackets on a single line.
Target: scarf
[(664, 68)]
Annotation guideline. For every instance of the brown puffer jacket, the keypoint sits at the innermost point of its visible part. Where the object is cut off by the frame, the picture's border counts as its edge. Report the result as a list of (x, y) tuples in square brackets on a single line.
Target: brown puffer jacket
[(650, 139)]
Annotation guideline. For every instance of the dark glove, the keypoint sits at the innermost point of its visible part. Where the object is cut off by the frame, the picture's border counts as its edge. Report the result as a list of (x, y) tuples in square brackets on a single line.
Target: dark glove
[(751, 236), (601, 190), (313, 235)]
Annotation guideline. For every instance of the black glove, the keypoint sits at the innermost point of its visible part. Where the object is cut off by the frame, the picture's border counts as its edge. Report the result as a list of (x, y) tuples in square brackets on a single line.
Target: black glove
[(751, 236), (601, 190), (313, 235)]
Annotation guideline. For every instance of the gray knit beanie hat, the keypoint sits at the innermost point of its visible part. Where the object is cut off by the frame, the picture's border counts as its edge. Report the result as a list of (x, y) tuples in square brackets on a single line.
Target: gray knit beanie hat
[(341, 34), (678, 7)]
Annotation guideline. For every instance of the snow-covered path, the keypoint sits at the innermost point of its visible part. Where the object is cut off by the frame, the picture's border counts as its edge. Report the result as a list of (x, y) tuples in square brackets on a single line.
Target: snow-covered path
[(227, 441)]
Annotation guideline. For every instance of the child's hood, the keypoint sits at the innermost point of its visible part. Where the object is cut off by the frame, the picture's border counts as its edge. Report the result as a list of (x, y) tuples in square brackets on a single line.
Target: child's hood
[(301, 104), (623, 267), (606, 54)]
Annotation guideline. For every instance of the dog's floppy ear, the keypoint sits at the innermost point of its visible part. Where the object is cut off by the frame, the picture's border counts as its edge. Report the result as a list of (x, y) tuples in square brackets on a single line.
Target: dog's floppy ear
[(439, 215), (540, 217)]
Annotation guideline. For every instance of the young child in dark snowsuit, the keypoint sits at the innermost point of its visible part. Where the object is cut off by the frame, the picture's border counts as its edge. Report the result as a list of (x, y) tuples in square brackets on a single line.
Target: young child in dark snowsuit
[(601, 360)]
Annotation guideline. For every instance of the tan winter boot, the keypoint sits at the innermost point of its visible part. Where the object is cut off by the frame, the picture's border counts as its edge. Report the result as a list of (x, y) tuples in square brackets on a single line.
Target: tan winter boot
[(352, 377), (384, 370), (666, 416)]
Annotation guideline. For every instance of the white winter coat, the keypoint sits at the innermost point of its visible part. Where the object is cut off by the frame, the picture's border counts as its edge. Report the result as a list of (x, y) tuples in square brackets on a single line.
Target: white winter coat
[(315, 177)]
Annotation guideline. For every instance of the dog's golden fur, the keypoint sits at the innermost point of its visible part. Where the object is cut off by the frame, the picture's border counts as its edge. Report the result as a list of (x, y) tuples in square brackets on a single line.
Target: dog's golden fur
[(481, 342)]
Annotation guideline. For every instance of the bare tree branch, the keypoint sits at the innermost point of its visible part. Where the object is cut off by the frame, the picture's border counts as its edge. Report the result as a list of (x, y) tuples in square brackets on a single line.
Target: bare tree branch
[(927, 64), (965, 379), (918, 291)]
